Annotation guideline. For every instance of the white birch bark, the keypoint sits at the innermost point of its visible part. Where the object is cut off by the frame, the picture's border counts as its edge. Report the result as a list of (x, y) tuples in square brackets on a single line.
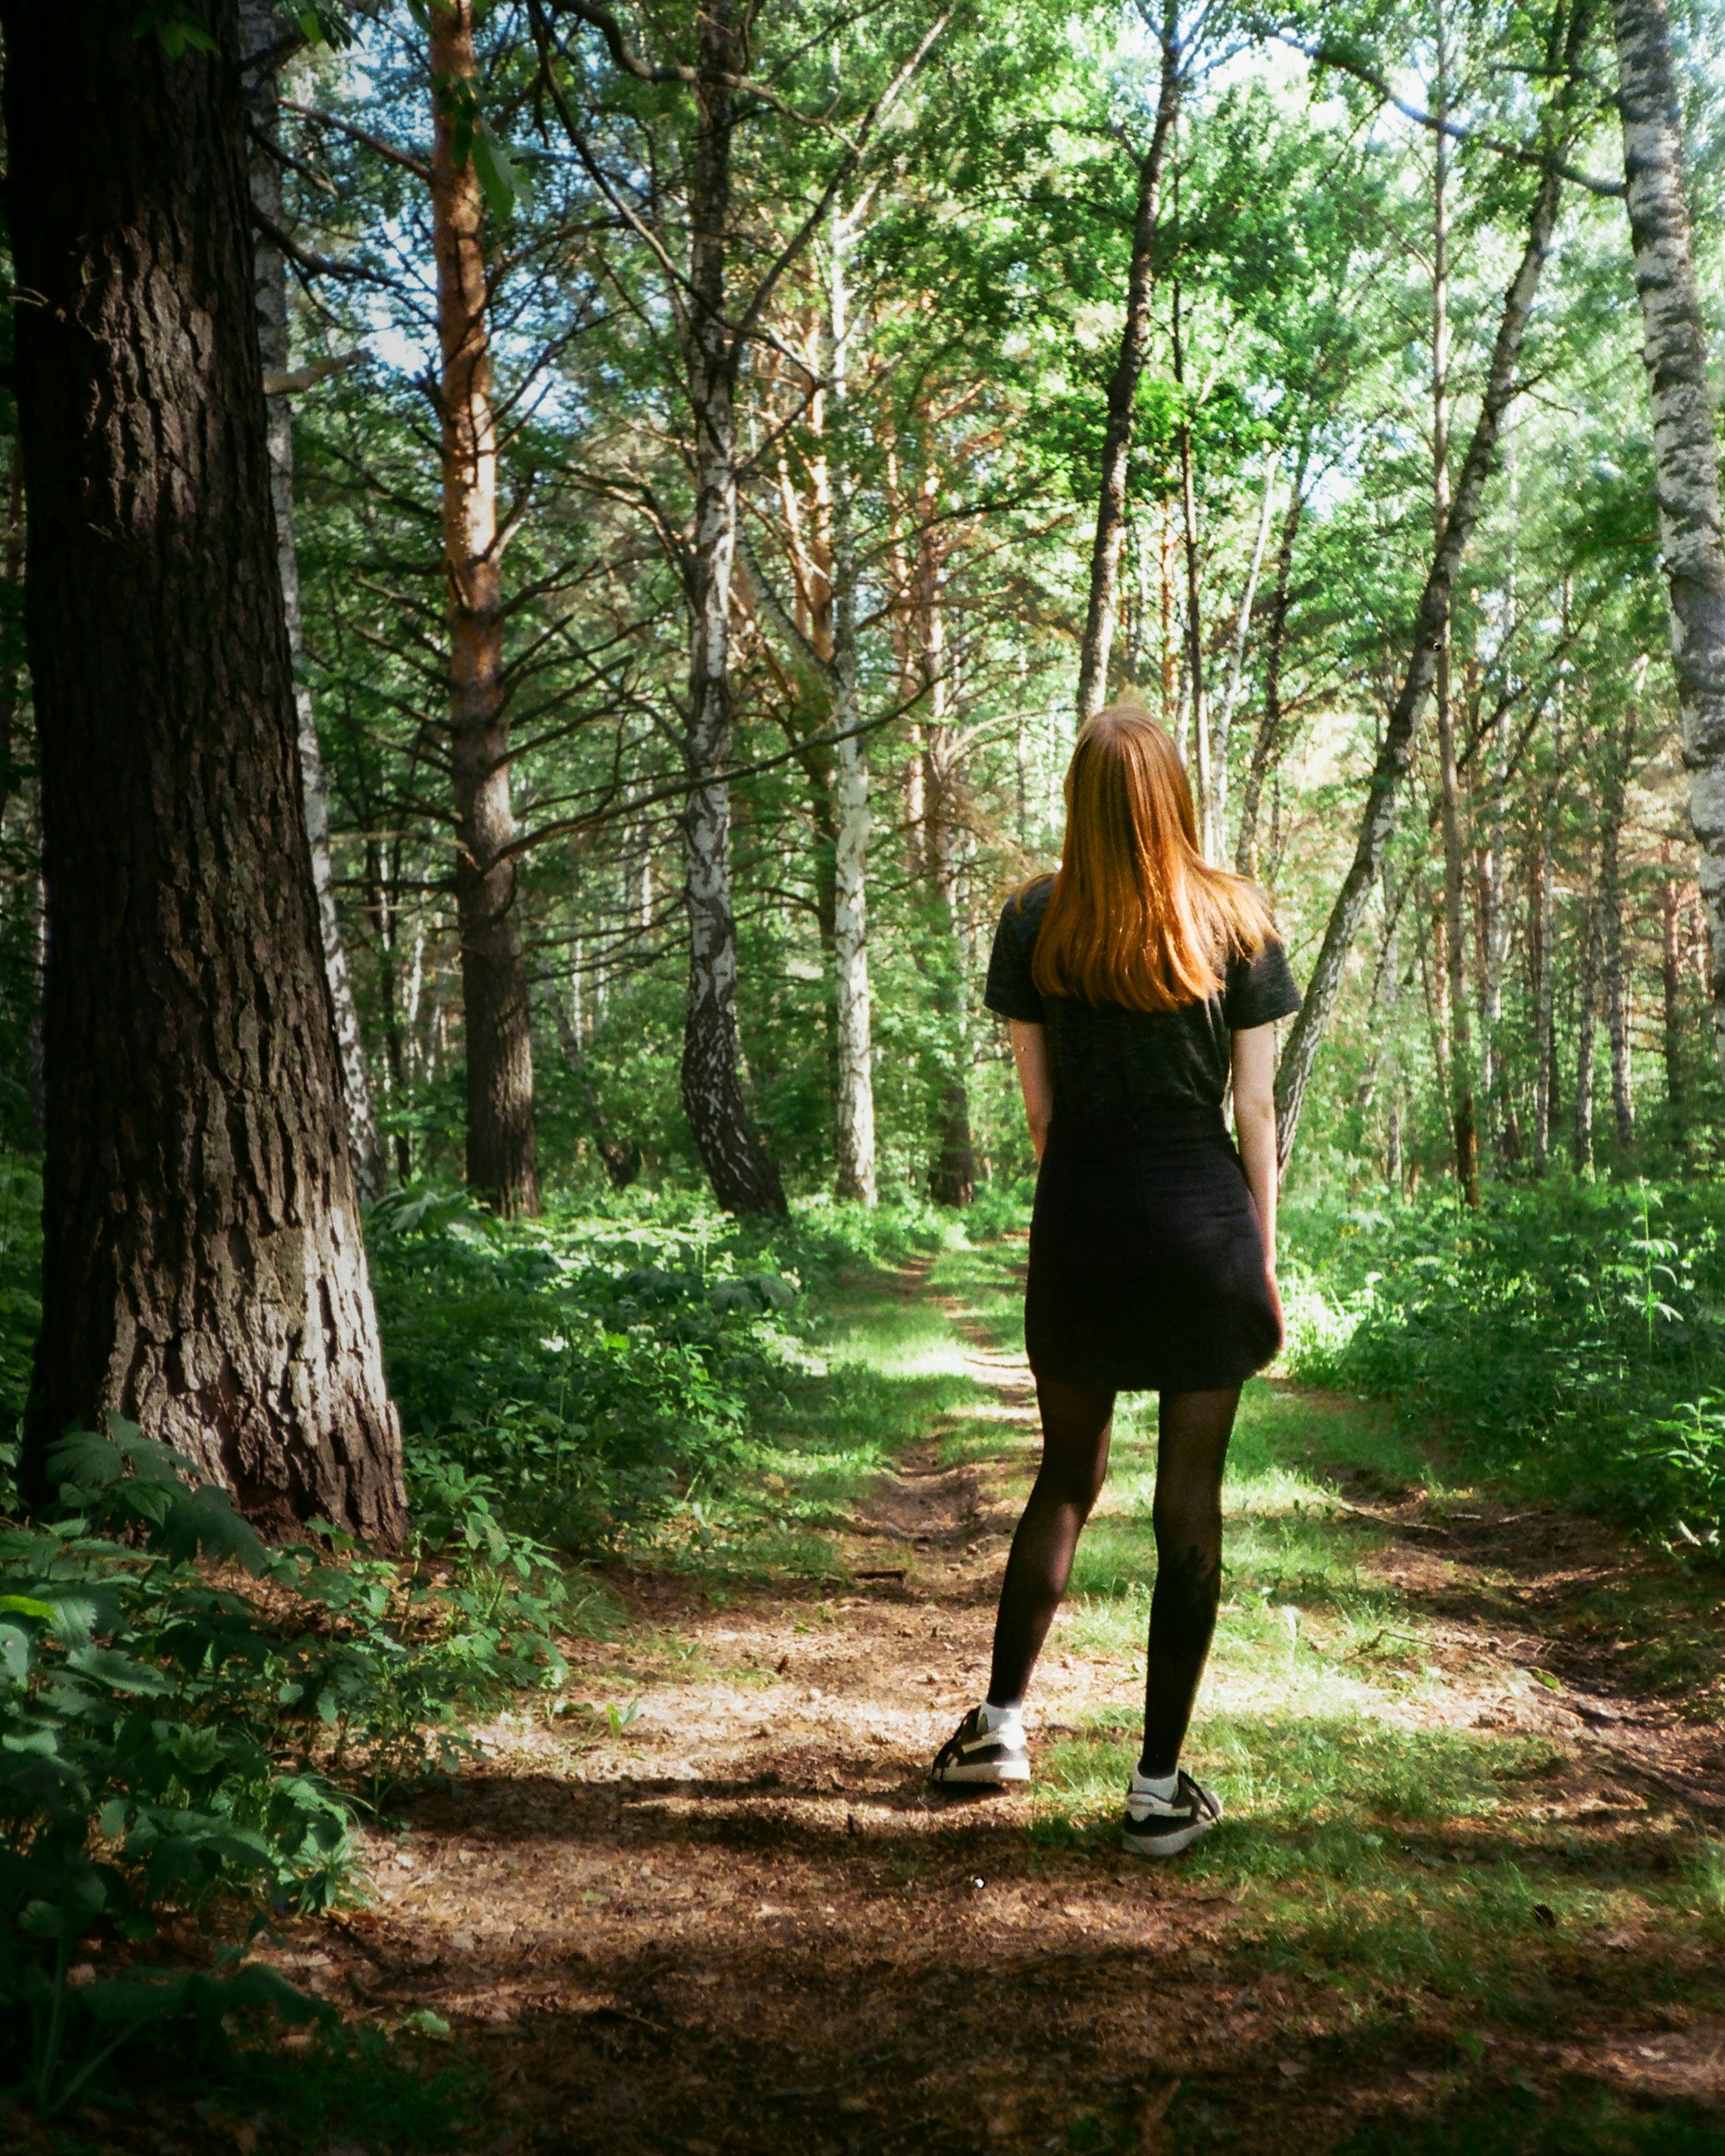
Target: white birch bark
[(1686, 447), (1222, 725), (854, 1104)]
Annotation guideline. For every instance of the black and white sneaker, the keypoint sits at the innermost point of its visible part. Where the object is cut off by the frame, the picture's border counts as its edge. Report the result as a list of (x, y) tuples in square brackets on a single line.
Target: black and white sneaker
[(1162, 1827), (977, 1757)]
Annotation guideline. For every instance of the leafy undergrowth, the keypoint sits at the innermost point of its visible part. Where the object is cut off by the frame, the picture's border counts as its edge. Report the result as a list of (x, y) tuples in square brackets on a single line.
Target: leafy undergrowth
[(193, 1728), (1568, 1337), (602, 1374)]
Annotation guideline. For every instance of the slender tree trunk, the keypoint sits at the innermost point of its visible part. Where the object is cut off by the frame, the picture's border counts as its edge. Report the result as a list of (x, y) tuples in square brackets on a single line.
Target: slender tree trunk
[(260, 36), (1463, 1111), (854, 1120), (496, 1010), (1396, 752), (1540, 966), (742, 1174), (952, 1179), (1195, 618), (1671, 981), (1268, 746), (1222, 725), (203, 1271), (622, 1163), (1616, 978), (1674, 345), (1103, 610), (1581, 1143)]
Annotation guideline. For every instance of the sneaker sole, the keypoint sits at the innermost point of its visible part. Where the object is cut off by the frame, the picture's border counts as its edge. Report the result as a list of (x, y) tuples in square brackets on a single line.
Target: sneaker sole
[(1165, 1845), (989, 1772)]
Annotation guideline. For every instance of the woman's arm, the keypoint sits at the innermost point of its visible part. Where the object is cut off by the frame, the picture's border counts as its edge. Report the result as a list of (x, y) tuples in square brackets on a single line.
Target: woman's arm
[(1030, 1051), (1255, 1125)]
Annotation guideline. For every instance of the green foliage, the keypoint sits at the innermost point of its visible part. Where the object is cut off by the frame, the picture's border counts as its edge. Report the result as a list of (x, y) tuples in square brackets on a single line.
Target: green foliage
[(589, 1374), (188, 1721), (1572, 1335)]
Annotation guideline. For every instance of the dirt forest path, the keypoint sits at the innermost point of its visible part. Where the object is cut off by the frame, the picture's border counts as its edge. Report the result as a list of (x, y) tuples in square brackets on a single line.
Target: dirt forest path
[(1463, 1899)]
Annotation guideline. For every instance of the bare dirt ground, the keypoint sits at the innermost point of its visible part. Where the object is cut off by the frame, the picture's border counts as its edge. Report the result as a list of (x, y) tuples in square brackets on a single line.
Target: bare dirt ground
[(740, 1923)]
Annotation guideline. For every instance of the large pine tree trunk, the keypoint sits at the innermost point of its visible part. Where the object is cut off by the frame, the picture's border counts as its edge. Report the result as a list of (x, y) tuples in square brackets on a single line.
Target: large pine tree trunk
[(1674, 344), (1104, 608), (496, 1010), (204, 1271), (260, 32), (1395, 753), (743, 1176)]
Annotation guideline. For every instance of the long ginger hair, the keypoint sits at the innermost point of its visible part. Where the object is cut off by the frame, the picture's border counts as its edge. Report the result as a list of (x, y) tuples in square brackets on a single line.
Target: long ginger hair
[(1136, 915)]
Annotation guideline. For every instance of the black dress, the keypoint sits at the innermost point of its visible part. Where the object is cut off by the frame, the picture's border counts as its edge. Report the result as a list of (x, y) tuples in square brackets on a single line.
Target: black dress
[(1147, 1263)]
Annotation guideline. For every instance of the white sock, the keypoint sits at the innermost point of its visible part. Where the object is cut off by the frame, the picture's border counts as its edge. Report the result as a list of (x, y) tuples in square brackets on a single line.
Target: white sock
[(992, 1718), (1156, 1785)]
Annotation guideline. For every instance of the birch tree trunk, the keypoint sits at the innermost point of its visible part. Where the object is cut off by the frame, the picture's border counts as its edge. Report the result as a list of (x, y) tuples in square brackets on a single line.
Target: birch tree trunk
[(855, 1102), (1581, 1142), (1616, 981), (1395, 753), (1222, 725), (1685, 445), (1672, 984), (496, 1011), (260, 37), (1463, 1111), (204, 1271), (1267, 747), (742, 1174), (1102, 613)]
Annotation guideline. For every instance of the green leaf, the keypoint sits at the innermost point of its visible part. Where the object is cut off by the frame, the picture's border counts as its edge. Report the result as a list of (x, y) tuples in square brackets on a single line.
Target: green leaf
[(109, 1666), (25, 1605), (175, 26)]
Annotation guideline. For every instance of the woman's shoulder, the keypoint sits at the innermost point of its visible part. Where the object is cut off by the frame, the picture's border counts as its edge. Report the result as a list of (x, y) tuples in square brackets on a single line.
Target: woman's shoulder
[(1030, 901)]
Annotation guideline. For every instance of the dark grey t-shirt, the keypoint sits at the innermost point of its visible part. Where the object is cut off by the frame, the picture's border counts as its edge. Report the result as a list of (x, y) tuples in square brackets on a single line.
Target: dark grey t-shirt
[(1107, 1062)]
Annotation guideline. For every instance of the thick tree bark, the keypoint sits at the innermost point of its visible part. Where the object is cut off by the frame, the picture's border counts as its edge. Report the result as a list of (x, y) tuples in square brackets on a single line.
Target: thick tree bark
[(743, 1177), (262, 38), (496, 1010), (204, 1271), (1686, 449), (1104, 608), (1395, 753)]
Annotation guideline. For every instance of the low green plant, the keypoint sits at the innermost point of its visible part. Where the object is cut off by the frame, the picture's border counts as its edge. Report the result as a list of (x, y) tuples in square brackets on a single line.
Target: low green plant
[(189, 1722), (1570, 1336)]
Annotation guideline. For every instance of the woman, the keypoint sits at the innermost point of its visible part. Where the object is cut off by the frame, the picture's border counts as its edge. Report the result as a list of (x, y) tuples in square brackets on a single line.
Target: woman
[(1136, 980)]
